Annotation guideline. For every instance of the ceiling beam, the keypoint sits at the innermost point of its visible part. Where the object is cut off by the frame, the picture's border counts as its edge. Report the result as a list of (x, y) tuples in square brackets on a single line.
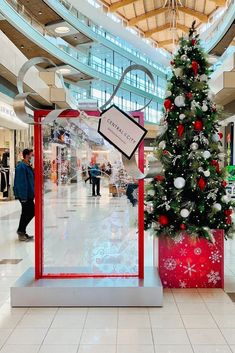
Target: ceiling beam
[(114, 7), (156, 30), (164, 27), (220, 2), (165, 42), (183, 28), (201, 16), (133, 21)]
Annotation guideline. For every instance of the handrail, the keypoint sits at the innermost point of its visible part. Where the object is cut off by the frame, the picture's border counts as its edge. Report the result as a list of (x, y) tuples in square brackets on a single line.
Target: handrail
[(92, 61)]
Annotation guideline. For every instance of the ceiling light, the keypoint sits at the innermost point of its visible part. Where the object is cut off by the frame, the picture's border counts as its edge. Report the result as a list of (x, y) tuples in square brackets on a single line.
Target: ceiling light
[(40, 12), (22, 46), (64, 71), (75, 37), (62, 30)]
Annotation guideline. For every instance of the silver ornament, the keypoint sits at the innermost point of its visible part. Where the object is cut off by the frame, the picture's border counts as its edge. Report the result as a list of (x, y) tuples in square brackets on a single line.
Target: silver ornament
[(194, 146)]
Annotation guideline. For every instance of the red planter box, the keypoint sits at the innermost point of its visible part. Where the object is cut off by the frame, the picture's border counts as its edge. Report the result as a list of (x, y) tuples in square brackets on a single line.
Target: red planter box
[(192, 263)]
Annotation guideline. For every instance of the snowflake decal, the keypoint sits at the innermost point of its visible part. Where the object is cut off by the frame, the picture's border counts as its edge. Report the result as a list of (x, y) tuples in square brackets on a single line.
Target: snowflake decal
[(170, 264), (197, 251), (215, 256), (182, 284), (189, 269), (183, 252), (213, 277)]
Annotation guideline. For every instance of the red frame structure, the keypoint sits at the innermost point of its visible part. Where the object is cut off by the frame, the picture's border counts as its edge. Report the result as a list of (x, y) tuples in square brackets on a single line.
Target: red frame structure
[(38, 148)]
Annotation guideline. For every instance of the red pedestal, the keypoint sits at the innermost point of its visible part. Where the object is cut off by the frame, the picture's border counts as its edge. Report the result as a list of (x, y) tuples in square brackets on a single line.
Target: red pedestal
[(192, 263)]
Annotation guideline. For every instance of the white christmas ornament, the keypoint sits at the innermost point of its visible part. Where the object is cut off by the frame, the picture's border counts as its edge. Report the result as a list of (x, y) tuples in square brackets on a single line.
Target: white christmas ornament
[(182, 116), (203, 78), (194, 146), (162, 145), (217, 207), (179, 101), (184, 213), (206, 154), (207, 173), (184, 57), (151, 193), (168, 94), (204, 107), (179, 182), (225, 199), (215, 138), (178, 72)]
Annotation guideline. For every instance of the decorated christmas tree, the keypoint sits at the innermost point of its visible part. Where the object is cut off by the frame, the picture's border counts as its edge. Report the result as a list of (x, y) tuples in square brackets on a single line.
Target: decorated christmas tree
[(190, 194)]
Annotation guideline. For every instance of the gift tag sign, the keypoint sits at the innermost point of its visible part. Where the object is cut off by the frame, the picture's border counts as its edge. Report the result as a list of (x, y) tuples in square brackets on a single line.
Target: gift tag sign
[(122, 131)]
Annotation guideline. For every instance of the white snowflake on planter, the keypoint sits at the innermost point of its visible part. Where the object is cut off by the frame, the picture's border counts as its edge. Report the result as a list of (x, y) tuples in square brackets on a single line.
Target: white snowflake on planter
[(189, 268), (213, 277), (182, 284), (170, 264), (183, 252), (215, 256), (197, 251)]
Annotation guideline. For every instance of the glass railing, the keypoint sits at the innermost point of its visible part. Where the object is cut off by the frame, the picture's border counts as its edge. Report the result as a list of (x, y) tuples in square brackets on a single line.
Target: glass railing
[(112, 38), (217, 26), (90, 60), (230, 51)]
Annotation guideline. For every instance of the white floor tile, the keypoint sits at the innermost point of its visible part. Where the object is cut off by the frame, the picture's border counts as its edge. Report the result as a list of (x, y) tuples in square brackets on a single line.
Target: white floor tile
[(69, 321), (167, 348), (135, 349), (53, 348), (222, 308), (134, 310), (103, 311), (35, 321), (205, 336), (225, 320), (170, 336), (135, 336), (9, 320), (199, 321), (99, 321), (42, 311), (232, 347), (20, 348), (229, 334), (192, 309), (213, 297), (63, 336), (166, 321), (99, 336), (97, 349), (187, 297), (72, 311), (133, 321), (211, 349), (168, 308), (27, 336)]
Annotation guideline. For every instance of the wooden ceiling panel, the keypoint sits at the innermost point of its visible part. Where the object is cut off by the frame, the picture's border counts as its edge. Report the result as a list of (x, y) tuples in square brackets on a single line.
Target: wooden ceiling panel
[(28, 48), (40, 11)]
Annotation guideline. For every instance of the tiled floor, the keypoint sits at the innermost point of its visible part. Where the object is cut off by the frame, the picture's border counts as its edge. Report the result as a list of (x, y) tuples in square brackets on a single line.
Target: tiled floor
[(191, 321)]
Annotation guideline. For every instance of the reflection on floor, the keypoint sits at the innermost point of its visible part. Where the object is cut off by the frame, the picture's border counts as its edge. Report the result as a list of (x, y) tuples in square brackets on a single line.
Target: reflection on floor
[(199, 321)]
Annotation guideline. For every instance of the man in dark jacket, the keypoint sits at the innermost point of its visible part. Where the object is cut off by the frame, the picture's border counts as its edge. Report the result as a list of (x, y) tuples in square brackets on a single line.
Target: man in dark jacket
[(95, 177), (24, 192)]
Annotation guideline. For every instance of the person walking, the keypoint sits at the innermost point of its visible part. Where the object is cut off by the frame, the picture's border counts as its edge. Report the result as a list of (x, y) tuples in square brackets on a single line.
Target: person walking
[(95, 177), (24, 192)]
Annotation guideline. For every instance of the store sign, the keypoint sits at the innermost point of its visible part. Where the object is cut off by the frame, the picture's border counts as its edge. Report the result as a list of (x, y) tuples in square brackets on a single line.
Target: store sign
[(88, 104), (7, 110), (122, 131)]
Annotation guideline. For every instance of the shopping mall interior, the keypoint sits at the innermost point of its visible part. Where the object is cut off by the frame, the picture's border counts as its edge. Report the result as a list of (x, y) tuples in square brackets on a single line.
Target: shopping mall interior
[(128, 252)]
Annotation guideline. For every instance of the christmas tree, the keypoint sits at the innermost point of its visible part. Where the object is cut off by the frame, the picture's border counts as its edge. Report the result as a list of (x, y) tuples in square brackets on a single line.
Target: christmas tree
[(190, 194)]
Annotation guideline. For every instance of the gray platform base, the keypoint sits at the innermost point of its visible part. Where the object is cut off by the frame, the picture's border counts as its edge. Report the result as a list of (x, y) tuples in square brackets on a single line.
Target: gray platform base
[(27, 292)]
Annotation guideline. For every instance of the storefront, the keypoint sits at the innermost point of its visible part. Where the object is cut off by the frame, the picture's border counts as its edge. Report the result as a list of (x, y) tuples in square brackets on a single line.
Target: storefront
[(14, 136)]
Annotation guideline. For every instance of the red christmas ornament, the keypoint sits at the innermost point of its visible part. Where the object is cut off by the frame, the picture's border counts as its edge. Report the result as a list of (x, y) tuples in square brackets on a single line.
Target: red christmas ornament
[(159, 177), (194, 41), (198, 125), (214, 162), (167, 104), (224, 184), (201, 183), (220, 135), (180, 130), (189, 95), (163, 220), (165, 152), (195, 67), (172, 63), (228, 212), (182, 226), (229, 220)]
